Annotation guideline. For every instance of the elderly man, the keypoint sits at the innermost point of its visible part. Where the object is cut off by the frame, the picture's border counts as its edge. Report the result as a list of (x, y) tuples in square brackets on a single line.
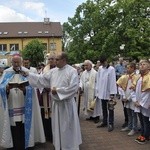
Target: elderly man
[(20, 120), (63, 82), (87, 87)]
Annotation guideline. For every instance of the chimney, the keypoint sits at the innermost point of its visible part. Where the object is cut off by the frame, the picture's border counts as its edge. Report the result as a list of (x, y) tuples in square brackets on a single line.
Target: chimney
[(46, 20)]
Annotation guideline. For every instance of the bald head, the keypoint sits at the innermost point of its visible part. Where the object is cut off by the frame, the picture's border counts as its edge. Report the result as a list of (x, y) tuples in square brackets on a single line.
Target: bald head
[(16, 62)]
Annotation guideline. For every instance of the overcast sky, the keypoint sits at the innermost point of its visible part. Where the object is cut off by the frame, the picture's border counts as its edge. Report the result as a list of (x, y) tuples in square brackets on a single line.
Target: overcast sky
[(36, 10)]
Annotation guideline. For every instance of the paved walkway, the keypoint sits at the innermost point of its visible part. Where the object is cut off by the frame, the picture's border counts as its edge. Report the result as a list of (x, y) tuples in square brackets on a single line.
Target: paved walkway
[(100, 139)]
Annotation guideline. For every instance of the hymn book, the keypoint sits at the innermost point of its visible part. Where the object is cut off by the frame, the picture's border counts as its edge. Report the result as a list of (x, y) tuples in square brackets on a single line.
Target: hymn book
[(18, 85)]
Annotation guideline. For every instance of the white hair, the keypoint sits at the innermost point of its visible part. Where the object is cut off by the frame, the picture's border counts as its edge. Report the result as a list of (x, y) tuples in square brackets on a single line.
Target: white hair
[(88, 62)]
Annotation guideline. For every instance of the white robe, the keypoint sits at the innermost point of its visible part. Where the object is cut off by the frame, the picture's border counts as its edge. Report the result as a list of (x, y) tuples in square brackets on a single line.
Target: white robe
[(36, 131), (32, 69), (126, 94), (87, 84), (65, 121), (143, 98), (106, 82)]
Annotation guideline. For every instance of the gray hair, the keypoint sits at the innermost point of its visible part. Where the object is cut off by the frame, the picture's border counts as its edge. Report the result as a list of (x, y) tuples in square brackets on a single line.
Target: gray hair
[(88, 62)]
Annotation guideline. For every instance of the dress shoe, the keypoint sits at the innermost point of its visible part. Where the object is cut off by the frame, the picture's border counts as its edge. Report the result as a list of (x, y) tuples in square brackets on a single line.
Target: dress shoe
[(102, 125), (89, 119), (110, 128), (96, 119)]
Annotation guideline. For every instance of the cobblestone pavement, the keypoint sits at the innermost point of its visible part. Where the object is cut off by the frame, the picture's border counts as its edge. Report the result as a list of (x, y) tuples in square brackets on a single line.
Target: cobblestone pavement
[(100, 139)]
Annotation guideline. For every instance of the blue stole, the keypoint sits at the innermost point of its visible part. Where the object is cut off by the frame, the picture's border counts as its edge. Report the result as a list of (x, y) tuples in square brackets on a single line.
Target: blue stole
[(28, 103)]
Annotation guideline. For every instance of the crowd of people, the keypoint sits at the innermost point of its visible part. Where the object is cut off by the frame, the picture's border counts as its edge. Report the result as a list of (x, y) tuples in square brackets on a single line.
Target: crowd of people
[(40, 104), (127, 81)]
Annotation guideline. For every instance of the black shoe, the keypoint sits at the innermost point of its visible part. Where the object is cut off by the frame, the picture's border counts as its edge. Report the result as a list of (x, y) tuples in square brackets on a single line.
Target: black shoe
[(110, 128), (102, 125), (125, 125), (96, 119), (89, 119)]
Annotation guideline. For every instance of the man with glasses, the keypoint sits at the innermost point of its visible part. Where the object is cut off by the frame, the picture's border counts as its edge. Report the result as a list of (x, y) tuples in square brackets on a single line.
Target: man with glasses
[(64, 83)]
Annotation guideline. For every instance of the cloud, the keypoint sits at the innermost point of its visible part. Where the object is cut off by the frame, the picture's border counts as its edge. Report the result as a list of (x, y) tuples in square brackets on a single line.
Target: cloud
[(10, 15), (38, 8)]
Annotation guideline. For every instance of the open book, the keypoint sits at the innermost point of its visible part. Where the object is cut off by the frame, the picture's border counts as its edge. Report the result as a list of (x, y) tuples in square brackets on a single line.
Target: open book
[(17, 85)]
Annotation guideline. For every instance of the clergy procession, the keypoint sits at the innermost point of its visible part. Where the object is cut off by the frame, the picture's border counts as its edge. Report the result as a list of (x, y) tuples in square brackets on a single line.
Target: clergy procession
[(45, 104)]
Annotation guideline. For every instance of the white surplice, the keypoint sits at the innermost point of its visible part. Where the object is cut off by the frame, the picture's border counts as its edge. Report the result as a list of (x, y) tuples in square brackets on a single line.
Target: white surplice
[(13, 101), (106, 82), (33, 69), (143, 98), (65, 121), (87, 84), (126, 94)]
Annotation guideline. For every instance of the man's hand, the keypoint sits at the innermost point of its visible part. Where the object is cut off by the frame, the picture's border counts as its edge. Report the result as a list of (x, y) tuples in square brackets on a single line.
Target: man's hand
[(125, 100), (53, 90), (137, 104), (23, 73)]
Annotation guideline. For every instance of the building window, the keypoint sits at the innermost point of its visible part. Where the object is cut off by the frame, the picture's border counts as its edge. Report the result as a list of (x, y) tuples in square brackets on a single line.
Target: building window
[(3, 47), (52, 46), (14, 47), (45, 45)]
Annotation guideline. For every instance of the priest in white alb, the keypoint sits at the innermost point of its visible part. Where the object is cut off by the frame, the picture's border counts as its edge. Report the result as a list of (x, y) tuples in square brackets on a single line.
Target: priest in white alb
[(87, 88), (63, 82)]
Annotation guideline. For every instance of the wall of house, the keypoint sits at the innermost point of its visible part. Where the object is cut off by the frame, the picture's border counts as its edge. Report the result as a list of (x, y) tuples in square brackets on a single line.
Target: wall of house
[(24, 41)]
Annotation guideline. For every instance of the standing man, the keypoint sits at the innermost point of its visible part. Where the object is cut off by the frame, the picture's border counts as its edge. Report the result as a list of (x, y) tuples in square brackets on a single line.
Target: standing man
[(20, 119), (63, 82), (106, 90), (121, 70), (124, 87), (26, 64), (45, 100), (141, 98), (87, 87)]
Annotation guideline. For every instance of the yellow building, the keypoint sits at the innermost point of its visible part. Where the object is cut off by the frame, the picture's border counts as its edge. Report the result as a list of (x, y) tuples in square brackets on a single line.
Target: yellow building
[(14, 36)]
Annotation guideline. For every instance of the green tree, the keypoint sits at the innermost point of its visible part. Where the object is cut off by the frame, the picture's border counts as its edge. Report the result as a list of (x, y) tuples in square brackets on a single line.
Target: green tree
[(102, 26), (34, 50)]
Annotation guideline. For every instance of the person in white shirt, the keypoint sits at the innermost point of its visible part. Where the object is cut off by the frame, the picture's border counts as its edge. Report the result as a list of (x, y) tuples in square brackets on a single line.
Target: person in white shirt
[(106, 90), (64, 83), (124, 87), (26, 64)]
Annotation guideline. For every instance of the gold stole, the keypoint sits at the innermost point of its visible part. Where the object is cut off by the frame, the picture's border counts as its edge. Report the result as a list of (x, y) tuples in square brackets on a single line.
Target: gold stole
[(123, 80), (145, 81)]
